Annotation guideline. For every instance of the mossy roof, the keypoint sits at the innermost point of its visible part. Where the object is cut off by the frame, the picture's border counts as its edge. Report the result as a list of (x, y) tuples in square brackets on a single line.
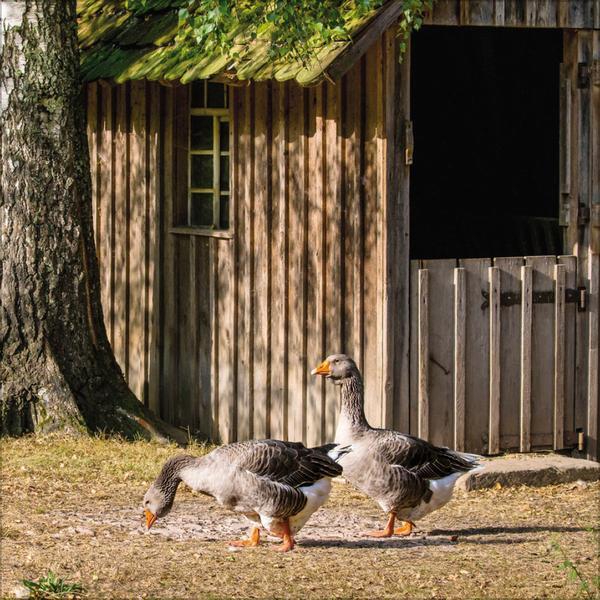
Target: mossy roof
[(121, 44)]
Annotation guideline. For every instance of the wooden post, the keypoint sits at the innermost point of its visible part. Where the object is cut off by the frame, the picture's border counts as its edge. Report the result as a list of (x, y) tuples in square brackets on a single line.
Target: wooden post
[(593, 448), (459, 357), (494, 424), (526, 300), (423, 319), (559, 356)]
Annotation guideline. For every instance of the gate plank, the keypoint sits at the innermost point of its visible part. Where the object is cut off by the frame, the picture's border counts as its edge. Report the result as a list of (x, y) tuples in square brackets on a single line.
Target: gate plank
[(423, 320), (559, 355), (459, 357), (526, 314), (476, 355), (440, 356), (510, 354), (570, 264), (412, 427), (542, 347), (494, 433)]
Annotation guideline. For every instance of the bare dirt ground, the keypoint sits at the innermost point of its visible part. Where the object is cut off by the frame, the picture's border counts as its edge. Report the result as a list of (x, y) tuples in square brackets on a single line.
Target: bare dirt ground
[(74, 507)]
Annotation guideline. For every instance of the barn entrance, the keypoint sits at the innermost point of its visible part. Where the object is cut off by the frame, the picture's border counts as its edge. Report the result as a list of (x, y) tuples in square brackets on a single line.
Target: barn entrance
[(493, 304), (485, 112)]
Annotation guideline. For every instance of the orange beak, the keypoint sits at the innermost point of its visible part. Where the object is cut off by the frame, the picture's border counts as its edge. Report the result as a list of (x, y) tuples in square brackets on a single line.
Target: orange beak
[(150, 518), (322, 369)]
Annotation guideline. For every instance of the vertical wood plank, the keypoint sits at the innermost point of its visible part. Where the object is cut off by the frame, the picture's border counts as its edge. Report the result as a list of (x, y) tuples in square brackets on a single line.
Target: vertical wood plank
[(170, 329), (279, 264), (542, 349), (225, 383), (476, 355), (570, 265), (526, 332), (243, 248), (370, 267), (136, 288), (593, 446), (559, 355), (459, 357), (92, 119), (423, 353), (154, 271), (494, 295), (260, 258), (352, 213), (333, 235), (202, 292), (441, 351), (297, 263), (315, 270), (414, 307), (105, 172), (510, 334), (398, 78), (121, 217)]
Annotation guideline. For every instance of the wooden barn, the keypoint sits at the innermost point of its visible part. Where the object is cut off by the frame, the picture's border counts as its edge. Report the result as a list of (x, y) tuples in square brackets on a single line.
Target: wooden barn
[(437, 218)]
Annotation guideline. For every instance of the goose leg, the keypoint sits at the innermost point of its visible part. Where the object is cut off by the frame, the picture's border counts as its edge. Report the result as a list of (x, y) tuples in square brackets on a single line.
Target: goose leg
[(252, 541), (406, 529), (387, 532), (288, 540)]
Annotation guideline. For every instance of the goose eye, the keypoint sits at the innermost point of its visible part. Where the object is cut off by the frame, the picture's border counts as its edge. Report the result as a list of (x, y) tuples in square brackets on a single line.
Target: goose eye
[(337, 361)]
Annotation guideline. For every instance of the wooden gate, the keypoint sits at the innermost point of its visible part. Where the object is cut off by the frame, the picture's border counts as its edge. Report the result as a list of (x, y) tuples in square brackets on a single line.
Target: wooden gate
[(493, 361)]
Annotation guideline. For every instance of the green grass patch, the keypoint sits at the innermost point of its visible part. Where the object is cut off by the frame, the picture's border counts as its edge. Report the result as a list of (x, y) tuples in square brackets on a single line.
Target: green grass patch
[(50, 587)]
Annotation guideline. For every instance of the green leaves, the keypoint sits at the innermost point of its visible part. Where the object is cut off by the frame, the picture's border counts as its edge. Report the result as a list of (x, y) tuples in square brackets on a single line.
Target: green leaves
[(293, 30), (51, 587)]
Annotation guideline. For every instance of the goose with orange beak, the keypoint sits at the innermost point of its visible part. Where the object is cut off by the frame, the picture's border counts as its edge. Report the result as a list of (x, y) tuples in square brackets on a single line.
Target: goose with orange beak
[(276, 485), (408, 477)]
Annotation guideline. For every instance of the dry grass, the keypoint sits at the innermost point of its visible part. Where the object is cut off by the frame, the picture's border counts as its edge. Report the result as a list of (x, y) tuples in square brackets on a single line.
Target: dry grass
[(73, 507)]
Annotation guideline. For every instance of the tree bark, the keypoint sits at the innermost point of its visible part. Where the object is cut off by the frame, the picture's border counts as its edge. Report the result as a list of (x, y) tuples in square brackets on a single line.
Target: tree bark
[(57, 369)]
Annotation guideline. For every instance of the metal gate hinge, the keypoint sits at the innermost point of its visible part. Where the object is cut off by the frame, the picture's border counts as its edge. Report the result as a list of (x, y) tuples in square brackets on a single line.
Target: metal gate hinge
[(576, 296), (583, 215)]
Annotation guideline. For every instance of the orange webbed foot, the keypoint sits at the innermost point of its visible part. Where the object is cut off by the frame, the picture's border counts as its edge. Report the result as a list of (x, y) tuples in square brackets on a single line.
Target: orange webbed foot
[(251, 542), (406, 528), (385, 533), (288, 540)]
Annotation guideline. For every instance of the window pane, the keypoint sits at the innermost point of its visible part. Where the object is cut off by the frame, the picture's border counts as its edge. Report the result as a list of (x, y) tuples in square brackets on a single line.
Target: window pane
[(224, 137), (202, 171), (198, 94), (202, 210), (216, 95), (225, 173), (224, 212), (201, 137)]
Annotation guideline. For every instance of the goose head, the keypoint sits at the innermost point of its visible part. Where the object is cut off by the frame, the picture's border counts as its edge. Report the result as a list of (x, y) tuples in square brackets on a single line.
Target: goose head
[(337, 367), (158, 500)]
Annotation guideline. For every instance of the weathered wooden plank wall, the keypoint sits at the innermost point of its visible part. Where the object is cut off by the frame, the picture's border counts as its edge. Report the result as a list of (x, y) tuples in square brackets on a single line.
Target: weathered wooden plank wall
[(219, 333), (567, 14), (126, 169), (491, 386)]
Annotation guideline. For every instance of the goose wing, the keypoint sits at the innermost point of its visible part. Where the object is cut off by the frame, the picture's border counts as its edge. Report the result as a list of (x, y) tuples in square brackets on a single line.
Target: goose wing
[(288, 463), (421, 457)]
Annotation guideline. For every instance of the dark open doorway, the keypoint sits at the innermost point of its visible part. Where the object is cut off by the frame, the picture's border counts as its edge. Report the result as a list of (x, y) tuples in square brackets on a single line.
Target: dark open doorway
[(485, 111)]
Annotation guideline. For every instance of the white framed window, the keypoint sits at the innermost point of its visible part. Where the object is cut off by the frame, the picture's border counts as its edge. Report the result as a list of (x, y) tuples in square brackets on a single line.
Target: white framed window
[(208, 157)]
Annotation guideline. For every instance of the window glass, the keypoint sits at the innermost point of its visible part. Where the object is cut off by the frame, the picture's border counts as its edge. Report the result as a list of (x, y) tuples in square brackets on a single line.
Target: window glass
[(201, 167), (201, 133), (208, 196), (201, 210)]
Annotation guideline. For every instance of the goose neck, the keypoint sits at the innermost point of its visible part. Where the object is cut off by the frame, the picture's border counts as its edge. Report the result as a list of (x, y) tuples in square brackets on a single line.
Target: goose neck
[(353, 413)]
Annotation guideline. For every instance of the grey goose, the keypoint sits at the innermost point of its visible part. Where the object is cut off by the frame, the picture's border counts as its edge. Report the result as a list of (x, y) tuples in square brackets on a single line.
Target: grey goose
[(407, 476), (276, 484)]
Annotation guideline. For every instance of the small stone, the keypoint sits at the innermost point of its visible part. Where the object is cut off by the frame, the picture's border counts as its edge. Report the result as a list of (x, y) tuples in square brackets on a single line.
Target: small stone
[(20, 591), (454, 538)]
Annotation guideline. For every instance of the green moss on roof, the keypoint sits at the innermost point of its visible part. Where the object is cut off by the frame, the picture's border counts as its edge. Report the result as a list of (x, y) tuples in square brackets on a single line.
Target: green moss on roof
[(122, 44)]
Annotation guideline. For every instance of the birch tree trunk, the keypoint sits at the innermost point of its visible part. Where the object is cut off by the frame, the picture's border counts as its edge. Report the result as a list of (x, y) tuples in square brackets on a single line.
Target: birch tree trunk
[(57, 369)]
